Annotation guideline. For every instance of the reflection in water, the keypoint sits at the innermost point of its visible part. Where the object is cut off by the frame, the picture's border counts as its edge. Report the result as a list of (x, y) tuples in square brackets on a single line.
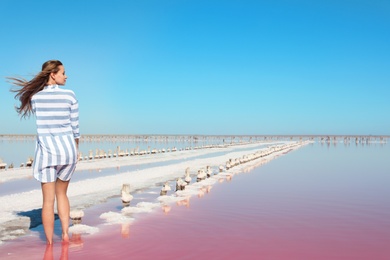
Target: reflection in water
[(64, 251), (200, 193), (203, 190), (185, 202), (166, 209), (260, 163), (74, 243), (229, 177), (125, 230), (48, 255)]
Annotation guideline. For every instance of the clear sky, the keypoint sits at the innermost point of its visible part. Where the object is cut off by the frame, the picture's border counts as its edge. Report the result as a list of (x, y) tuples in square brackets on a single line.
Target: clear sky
[(204, 66)]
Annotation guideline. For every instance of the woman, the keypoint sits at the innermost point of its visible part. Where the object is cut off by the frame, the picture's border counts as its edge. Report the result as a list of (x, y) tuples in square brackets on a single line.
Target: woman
[(58, 136)]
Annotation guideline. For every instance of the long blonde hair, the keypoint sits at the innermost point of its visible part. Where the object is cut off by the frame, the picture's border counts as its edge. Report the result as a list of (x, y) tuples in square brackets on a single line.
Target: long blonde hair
[(26, 89)]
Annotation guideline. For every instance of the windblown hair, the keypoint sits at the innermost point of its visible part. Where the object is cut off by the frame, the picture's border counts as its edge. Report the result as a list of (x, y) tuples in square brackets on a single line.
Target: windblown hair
[(26, 89)]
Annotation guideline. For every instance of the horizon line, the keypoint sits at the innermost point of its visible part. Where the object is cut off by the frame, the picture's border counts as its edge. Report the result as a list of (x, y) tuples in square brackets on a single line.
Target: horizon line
[(227, 135)]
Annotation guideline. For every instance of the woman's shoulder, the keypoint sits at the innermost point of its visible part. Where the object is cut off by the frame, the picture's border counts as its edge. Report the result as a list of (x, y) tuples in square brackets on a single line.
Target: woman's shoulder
[(67, 91)]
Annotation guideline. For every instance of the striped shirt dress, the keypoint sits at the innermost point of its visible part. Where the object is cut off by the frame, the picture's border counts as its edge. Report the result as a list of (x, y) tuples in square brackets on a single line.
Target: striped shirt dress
[(57, 121)]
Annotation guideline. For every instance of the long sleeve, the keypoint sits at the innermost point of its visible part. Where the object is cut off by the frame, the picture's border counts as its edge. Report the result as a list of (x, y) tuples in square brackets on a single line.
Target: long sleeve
[(74, 119)]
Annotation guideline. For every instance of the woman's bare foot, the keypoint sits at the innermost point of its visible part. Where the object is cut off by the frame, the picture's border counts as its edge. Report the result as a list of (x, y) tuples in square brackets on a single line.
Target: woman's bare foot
[(65, 238)]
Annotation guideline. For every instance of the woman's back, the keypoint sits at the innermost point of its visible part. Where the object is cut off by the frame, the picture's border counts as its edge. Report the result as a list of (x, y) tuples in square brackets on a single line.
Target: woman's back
[(56, 111)]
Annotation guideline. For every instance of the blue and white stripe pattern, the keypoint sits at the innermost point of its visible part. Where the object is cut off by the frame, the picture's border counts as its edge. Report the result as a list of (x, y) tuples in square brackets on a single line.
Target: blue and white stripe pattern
[(57, 119)]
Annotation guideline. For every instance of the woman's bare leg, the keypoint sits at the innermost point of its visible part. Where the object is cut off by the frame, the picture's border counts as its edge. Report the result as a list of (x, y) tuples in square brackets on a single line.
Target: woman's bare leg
[(63, 207), (48, 193)]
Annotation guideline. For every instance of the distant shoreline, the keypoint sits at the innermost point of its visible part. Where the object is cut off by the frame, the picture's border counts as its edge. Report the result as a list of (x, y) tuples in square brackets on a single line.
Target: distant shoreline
[(217, 136)]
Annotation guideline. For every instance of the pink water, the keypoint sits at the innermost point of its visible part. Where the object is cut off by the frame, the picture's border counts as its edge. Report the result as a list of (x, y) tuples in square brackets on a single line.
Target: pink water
[(317, 202)]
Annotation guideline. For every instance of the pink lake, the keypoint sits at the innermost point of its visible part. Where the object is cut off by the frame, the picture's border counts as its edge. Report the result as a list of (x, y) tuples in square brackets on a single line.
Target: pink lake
[(318, 202)]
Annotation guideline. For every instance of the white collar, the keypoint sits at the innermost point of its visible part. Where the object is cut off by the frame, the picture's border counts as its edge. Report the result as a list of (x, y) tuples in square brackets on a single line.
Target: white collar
[(54, 86)]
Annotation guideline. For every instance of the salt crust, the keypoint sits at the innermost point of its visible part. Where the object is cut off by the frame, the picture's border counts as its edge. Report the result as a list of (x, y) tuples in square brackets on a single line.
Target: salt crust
[(82, 229)]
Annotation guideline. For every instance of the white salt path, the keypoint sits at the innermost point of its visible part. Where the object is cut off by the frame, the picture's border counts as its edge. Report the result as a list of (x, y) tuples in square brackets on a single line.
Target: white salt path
[(85, 193)]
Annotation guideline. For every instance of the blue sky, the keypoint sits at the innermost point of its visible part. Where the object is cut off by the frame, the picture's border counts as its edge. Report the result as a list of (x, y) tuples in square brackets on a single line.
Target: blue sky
[(206, 67)]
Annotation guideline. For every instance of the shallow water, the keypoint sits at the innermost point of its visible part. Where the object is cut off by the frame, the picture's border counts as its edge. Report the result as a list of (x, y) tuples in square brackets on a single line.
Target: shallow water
[(318, 202)]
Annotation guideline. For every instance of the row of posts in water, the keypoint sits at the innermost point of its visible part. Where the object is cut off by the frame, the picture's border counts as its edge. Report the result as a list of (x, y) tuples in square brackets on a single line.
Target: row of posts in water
[(215, 140)]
